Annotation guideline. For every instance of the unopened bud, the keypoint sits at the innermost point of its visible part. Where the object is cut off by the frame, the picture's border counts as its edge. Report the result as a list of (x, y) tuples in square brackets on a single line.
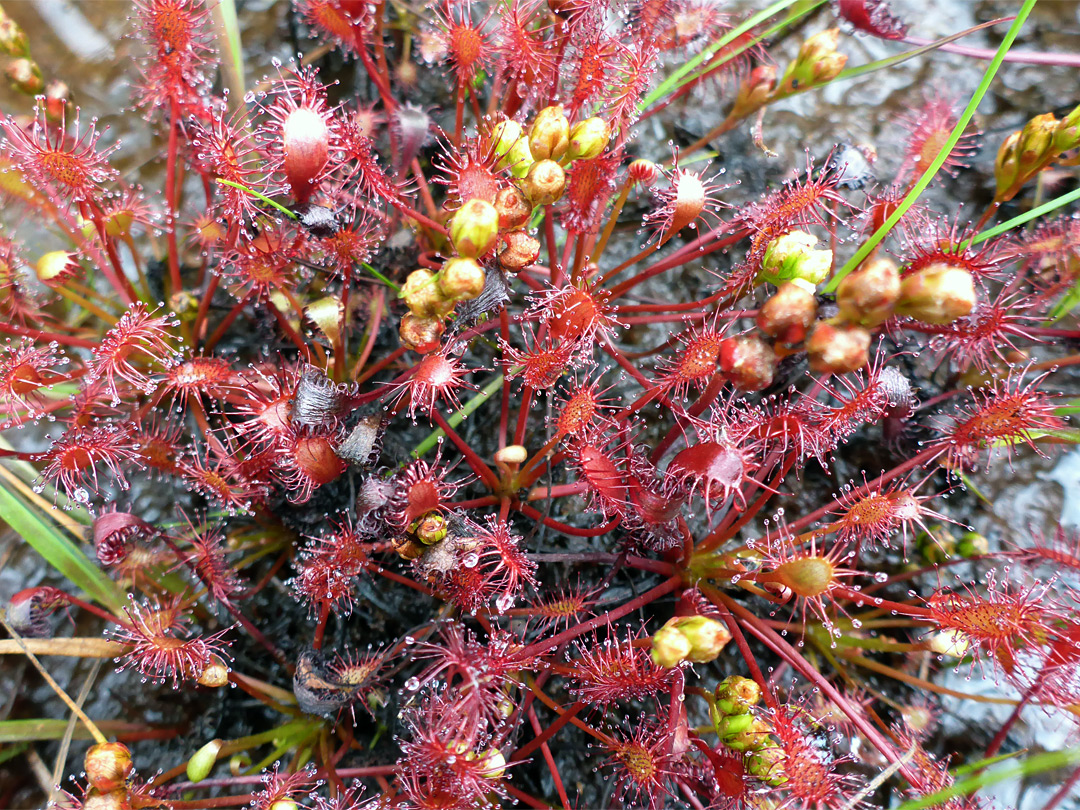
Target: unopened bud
[(588, 139), (767, 764), (202, 761), (792, 257), (315, 458), (504, 135), (215, 674), (407, 548), (13, 40), (56, 267), (430, 529), (788, 314), (424, 297), (867, 296), (512, 454), (837, 349), (972, 544), (1067, 134), (818, 62), (492, 764), (474, 228), (669, 647), (1036, 142), (736, 694), (25, 76), (743, 732), (518, 251), (1007, 168), (107, 766), (305, 140), (461, 279), (949, 642), (707, 637), (748, 362), (549, 135), (545, 182), (643, 171), (420, 334), (938, 294), (513, 209), (754, 92), (57, 94)]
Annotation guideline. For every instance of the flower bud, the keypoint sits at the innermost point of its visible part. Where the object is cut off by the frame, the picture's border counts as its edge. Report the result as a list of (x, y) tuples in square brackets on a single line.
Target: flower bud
[(545, 182), (1067, 134), (669, 647), (643, 171), (767, 764), (424, 297), (867, 296), (549, 135), (430, 529), (57, 267), (474, 228), (24, 75), (818, 62), (493, 764), (202, 761), (513, 209), (461, 279), (13, 40), (938, 294), (315, 458), (518, 251), (948, 642), (748, 362), (707, 637), (743, 732), (407, 548), (107, 766), (420, 334), (512, 454), (736, 694), (837, 349), (215, 674), (504, 135), (972, 544), (305, 141), (792, 257), (588, 139), (754, 92), (57, 94), (1007, 168), (1036, 143), (788, 314)]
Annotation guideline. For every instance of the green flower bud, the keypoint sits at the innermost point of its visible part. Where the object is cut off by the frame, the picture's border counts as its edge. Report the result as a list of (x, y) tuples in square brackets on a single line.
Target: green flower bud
[(13, 40), (767, 764), (494, 763), (423, 296), (818, 62), (588, 139), (512, 146), (1036, 143), (669, 647), (549, 135), (1007, 168), (430, 529), (792, 257), (743, 732), (1067, 134), (754, 92), (202, 761), (949, 642), (939, 294), (707, 637), (972, 544), (736, 694), (474, 228)]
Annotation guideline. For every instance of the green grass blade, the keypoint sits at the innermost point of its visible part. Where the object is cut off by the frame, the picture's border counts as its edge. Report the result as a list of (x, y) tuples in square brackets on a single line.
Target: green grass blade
[(60, 552), (931, 171)]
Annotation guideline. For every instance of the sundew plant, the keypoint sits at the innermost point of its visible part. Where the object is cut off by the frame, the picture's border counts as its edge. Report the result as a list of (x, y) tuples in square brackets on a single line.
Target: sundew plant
[(470, 411)]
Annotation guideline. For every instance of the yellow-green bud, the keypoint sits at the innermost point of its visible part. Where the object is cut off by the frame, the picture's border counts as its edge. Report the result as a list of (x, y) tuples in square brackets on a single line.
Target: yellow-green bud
[(13, 40), (972, 544), (430, 529), (202, 761), (493, 763), (1007, 167), (743, 732), (792, 257), (767, 764), (1067, 134), (1036, 142), (423, 296), (474, 228), (462, 279), (215, 674), (736, 694), (949, 642), (513, 148), (818, 62), (549, 135), (754, 91), (545, 182), (25, 76), (669, 647), (938, 294), (707, 637), (56, 267), (588, 139)]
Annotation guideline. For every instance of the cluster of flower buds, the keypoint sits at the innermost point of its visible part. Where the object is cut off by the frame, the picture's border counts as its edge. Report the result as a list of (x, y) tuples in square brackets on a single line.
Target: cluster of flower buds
[(108, 767), (484, 229), (1028, 151), (741, 729), (697, 639), (23, 73), (818, 62)]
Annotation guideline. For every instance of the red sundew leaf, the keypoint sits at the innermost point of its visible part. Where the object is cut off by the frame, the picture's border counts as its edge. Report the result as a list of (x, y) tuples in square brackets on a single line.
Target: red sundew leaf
[(873, 17)]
